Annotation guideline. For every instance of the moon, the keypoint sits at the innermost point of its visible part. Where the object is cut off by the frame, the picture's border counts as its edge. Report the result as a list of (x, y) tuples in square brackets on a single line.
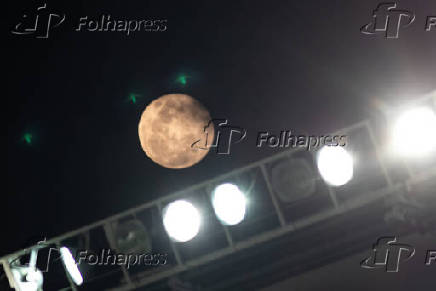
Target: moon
[(169, 127)]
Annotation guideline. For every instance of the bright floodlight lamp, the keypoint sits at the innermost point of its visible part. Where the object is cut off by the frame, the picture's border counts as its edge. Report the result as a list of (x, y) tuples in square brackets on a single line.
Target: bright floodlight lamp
[(414, 133), (335, 165), (181, 220), (229, 204), (71, 266)]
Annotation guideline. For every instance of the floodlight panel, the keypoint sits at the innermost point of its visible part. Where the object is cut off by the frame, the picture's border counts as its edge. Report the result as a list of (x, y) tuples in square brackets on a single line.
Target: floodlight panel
[(335, 165), (181, 220), (414, 133), (71, 266), (229, 204)]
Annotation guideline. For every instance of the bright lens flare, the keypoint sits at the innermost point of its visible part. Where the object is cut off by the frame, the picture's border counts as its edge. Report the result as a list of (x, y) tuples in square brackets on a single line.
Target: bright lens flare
[(181, 220), (335, 165), (414, 133), (229, 204), (71, 266)]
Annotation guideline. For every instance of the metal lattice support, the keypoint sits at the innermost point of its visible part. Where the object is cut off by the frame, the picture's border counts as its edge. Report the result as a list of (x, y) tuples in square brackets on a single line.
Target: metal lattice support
[(339, 207)]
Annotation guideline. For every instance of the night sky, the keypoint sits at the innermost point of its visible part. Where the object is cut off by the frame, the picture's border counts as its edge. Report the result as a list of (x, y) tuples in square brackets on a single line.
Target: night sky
[(263, 65)]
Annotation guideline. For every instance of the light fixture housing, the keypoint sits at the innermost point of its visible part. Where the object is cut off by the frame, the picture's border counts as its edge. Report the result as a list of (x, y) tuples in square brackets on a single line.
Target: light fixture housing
[(132, 237), (293, 180)]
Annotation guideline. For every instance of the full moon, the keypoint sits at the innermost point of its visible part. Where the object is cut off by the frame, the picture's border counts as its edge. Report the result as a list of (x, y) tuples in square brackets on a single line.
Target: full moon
[(169, 127)]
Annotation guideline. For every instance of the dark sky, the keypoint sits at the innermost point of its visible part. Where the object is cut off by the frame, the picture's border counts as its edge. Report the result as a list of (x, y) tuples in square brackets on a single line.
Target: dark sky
[(264, 65), (412, 276)]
